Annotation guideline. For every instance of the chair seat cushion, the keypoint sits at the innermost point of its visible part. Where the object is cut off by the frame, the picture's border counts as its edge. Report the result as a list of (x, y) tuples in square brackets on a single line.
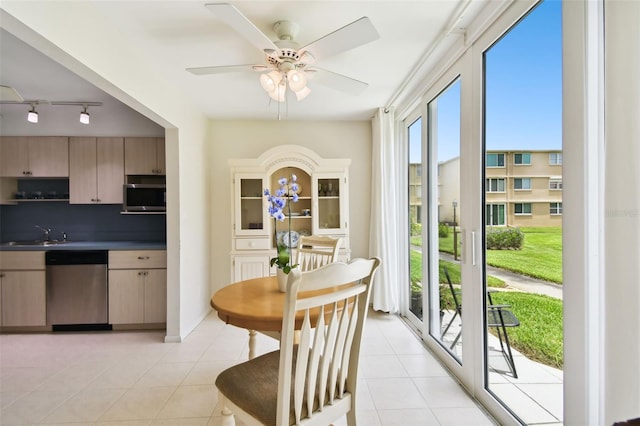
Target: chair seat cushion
[(253, 386)]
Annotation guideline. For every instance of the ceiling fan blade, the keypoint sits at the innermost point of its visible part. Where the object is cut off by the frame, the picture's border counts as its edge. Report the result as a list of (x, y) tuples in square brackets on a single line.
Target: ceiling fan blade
[(220, 69), (8, 93), (336, 81), (351, 35), (236, 20)]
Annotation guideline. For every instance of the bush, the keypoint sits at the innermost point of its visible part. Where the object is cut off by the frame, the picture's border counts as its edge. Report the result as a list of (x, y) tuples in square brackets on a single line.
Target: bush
[(416, 229), (504, 239), (443, 230)]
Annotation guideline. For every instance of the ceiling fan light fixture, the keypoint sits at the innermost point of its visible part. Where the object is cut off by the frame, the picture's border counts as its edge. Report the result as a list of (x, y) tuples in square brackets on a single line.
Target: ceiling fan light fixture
[(297, 80), (84, 116), (270, 80), (278, 94), (301, 94)]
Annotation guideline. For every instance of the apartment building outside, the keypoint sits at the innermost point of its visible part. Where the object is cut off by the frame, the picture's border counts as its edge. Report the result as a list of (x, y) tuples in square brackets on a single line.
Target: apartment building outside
[(522, 188)]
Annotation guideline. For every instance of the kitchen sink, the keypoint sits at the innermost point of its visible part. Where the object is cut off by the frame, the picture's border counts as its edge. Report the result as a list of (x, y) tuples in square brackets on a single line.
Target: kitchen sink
[(34, 243)]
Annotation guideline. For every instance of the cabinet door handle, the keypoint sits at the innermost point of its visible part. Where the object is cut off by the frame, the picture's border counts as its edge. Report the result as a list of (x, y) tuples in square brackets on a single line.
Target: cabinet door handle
[(143, 257)]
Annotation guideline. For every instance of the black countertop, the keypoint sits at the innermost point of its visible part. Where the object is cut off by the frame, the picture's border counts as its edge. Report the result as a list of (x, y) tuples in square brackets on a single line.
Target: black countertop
[(87, 245)]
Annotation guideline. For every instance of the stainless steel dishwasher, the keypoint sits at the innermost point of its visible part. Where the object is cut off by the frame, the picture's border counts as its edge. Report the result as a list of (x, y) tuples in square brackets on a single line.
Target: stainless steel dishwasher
[(77, 290)]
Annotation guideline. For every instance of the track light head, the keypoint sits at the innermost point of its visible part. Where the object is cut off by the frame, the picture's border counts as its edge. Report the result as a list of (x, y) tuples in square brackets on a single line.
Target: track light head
[(32, 115), (84, 116)]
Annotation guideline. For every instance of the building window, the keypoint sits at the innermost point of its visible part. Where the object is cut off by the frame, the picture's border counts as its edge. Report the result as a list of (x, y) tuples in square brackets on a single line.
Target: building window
[(555, 158), (494, 185), (555, 208), (418, 191), (522, 183), (419, 170), (522, 208), (523, 158), (495, 160), (495, 214), (555, 184)]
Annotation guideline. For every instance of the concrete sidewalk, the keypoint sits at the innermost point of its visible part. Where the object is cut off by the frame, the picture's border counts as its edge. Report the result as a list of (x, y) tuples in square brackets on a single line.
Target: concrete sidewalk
[(520, 282)]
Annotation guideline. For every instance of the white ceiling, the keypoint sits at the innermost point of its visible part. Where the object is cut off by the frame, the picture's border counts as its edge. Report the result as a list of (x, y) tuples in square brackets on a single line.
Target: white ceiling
[(174, 35)]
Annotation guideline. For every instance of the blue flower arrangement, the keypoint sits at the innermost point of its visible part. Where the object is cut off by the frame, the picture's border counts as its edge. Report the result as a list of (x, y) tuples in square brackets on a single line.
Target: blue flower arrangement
[(283, 197)]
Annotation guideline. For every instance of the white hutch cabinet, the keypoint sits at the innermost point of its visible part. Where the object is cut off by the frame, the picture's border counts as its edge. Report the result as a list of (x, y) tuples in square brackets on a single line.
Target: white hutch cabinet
[(322, 208)]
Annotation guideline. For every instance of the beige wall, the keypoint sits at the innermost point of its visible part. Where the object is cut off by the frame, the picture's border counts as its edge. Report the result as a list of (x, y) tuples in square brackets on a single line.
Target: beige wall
[(248, 139)]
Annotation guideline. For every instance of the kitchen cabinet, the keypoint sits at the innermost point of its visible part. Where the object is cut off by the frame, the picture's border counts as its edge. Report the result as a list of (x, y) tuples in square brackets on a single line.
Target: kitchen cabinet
[(144, 156), (322, 207), (96, 170), (22, 289), (34, 156), (137, 287)]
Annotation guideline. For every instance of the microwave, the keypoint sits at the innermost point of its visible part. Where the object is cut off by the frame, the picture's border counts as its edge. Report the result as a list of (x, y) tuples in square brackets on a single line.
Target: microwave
[(144, 197)]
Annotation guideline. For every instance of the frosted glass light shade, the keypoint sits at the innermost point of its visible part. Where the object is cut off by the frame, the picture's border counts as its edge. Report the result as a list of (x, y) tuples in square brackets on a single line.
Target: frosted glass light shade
[(270, 80), (84, 117), (32, 116), (297, 80), (301, 94)]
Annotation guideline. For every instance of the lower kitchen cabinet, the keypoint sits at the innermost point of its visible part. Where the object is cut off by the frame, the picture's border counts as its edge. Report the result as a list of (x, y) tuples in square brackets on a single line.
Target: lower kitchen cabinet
[(23, 299), (137, 295)]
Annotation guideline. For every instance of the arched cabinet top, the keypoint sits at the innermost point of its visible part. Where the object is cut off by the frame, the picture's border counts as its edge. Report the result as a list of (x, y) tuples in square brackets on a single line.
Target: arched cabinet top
[(282, 156)]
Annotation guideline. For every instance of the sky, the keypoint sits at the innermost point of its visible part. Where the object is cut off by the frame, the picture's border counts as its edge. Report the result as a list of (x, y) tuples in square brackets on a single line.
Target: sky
[(523, 90)]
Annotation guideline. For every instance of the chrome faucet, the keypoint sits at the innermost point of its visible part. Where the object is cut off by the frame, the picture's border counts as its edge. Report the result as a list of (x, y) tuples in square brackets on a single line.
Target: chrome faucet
[(46, 232)]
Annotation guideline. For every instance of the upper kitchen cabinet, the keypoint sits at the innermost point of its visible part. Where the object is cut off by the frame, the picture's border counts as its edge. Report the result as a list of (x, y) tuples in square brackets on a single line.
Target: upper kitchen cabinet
[(144, 156), (34, 156), (96, 170)]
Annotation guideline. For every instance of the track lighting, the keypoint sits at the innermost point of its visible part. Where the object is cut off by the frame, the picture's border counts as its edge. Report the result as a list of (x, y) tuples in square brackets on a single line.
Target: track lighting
[(84, 116), (32, 115)]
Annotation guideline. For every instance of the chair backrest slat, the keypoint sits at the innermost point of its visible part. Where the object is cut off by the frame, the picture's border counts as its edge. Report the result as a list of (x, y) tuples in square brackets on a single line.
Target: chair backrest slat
[(325, 366), (314, 252)]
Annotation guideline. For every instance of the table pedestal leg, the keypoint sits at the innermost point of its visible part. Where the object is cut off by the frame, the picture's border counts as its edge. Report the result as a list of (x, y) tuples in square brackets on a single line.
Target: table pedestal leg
[(252, 344)]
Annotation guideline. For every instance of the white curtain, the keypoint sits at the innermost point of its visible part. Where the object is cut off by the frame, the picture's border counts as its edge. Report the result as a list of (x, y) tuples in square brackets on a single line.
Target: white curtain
[(383, 235)]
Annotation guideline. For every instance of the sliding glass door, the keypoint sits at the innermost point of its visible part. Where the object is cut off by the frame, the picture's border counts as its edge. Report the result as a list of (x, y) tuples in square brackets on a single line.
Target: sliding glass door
[(480, 178)]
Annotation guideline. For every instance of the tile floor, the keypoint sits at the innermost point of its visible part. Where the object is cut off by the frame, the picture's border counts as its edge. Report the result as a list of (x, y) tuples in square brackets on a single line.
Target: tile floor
[(134, 378)]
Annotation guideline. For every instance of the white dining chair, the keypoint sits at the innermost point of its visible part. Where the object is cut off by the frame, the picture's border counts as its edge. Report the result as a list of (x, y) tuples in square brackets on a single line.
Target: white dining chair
[(316, 251), (312, 379)]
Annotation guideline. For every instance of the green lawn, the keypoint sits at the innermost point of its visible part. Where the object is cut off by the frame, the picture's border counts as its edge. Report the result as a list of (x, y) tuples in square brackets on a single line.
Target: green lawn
[(539, 336), (540, 256)]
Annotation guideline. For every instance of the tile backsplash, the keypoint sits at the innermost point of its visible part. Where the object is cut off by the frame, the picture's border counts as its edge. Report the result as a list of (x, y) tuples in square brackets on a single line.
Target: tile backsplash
[(79, 222)]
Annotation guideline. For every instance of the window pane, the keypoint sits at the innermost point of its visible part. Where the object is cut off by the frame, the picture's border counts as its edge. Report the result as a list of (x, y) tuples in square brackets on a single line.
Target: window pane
[(444, 147), (495, 160), (414, 136), (522, 158), (522, 183), (523, 111)]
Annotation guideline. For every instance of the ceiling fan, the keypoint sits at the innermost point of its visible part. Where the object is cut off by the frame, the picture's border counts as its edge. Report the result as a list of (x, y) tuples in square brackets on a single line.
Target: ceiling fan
[(286, 63)]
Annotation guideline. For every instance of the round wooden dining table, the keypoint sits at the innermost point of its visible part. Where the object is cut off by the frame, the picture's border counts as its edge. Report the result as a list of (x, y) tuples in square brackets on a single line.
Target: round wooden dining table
[(256, 304)]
